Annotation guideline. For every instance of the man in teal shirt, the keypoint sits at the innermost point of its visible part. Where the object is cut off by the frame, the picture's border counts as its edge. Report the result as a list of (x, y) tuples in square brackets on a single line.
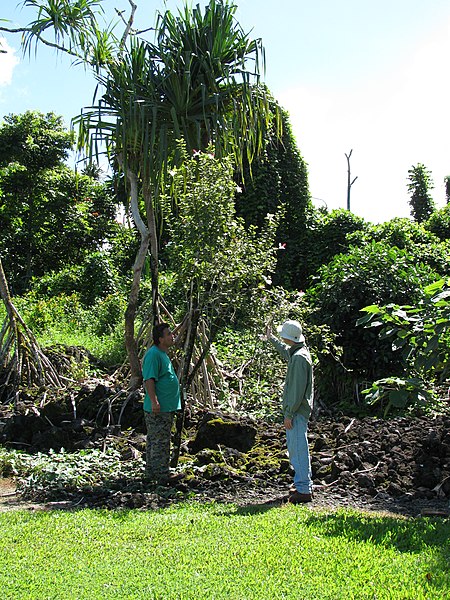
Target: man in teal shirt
[(162, 399), (297, 404)]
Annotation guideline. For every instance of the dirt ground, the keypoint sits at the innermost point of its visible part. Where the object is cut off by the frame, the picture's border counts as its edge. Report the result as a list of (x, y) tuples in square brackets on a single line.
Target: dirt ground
[(398, 466)]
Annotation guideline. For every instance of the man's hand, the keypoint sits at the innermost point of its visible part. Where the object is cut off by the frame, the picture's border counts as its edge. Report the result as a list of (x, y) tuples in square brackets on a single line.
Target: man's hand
[(288, 423), (150, 388), (267, 332)]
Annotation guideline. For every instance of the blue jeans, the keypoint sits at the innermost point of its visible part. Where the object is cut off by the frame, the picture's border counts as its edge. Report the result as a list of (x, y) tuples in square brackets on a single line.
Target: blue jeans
[(297, 445)]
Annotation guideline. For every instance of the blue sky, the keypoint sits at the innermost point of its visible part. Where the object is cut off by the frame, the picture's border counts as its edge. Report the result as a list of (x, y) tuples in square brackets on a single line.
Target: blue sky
[(353, 74)]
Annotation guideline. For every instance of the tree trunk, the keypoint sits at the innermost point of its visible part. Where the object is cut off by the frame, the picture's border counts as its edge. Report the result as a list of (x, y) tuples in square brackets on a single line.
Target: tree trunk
[(130, 313), (148, 238), (151, 221), (130, 316)]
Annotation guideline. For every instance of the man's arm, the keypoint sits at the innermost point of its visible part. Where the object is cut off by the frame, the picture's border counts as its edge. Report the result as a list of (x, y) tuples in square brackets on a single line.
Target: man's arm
[(280, 347), (151, 391)]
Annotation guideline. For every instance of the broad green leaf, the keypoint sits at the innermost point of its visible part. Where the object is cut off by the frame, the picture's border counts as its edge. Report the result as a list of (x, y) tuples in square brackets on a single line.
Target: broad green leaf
[(373, 308), (363, 320), (434, 287), (398, 398)]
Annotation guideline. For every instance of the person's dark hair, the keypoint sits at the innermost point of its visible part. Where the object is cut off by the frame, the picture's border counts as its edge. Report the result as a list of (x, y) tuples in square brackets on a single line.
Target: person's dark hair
[(158, 331)]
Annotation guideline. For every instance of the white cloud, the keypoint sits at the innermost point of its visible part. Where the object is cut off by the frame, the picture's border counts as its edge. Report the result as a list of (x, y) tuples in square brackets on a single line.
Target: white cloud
[(391, 123), (8, 61)]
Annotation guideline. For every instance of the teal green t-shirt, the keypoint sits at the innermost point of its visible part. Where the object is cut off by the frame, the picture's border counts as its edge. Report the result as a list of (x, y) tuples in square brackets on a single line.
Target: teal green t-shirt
[(157, 365)]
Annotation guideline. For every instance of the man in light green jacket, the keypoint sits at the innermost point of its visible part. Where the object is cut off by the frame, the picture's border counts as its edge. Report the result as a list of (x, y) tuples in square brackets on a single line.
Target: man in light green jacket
[(297, 404)]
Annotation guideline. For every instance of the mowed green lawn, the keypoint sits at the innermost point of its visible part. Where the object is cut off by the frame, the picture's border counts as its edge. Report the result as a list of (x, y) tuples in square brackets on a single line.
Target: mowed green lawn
[(221, 551)]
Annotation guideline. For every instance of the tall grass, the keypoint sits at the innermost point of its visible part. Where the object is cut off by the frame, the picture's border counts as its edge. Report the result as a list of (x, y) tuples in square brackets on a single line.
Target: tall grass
[(65, 320)]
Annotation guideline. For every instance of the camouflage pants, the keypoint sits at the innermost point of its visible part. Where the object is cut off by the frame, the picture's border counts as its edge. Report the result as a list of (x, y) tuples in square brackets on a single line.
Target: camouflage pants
[(159, 427)]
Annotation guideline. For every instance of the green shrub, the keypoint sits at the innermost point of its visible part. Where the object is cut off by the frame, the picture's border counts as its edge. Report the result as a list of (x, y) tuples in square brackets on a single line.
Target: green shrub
[(57, 283), (439, 223), (99, 278), (372, 274), (326, 235), (93, 279), (420, 333), (123, 249), (396, 394), (108, 313), (423, 245), (42, 314), (400, 232), (65, 320)]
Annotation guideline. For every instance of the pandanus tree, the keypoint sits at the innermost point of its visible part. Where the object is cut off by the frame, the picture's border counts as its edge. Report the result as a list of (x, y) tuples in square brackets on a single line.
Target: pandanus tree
[(199, 80)]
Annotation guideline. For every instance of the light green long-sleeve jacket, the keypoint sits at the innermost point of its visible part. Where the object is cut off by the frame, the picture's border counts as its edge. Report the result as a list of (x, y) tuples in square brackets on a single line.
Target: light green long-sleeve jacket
[(298, 393)]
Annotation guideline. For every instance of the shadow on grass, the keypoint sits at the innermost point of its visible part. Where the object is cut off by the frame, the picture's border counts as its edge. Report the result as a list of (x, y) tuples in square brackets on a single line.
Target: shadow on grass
[(405, 535), (412, 536)]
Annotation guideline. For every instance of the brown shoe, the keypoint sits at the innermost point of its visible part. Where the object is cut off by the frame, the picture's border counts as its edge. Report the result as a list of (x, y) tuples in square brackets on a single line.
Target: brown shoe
[(297, 498)]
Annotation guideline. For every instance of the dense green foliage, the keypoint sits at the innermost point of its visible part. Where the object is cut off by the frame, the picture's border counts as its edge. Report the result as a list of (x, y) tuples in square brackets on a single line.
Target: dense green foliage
[(278, 180), (327, 235), (93, 279), (379, 264), (439, 223), (399, 232), (50, 216), (307, 238), (215, 258), (368, 274), (65, 320), (217, 551)]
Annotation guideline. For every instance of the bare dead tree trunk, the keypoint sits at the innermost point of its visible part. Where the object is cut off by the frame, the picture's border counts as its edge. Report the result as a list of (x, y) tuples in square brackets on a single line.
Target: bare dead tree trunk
[(349, 182)]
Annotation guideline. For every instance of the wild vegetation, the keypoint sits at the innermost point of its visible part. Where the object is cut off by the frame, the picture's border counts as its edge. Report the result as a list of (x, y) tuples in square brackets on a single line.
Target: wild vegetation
[(217, 235), (64, 254)]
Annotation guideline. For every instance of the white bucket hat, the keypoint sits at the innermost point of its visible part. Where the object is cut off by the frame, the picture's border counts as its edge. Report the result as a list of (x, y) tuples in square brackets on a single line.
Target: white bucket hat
[(291, 330)]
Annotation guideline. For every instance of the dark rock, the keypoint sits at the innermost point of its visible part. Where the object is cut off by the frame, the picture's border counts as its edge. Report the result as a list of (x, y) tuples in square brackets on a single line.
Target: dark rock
[(432, 441), (54, 438), (222, 432), (394, 489), (365, 481), (321, 443), (20, 429)]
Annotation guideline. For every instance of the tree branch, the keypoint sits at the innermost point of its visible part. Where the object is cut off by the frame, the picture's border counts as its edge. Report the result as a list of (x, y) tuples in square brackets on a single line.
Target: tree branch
[(43, 40), (129, 24)]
